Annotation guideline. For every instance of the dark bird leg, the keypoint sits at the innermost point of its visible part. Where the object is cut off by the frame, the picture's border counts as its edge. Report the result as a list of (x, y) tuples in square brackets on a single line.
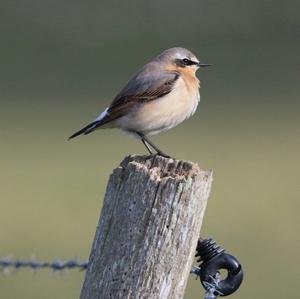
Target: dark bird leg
[(147, 146), (147, 142)]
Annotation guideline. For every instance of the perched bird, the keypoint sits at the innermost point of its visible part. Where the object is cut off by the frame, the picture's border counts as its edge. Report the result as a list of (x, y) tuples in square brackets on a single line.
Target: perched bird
[(158, 97)]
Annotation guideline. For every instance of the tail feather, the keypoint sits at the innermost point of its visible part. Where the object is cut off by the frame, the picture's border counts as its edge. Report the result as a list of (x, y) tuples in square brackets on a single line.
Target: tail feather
[(86, 130), (99, 121)]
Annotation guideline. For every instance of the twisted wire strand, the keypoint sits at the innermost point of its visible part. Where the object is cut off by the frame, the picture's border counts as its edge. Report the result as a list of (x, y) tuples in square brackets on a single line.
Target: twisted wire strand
[(56, 265), (212, 288)]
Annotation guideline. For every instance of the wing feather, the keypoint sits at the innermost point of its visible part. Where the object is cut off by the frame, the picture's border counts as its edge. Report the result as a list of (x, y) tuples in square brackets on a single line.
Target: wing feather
[(141, 89), (151, 83)]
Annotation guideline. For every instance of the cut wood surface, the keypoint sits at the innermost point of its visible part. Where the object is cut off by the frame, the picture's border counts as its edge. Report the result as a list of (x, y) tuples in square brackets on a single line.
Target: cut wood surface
[(148, 229)]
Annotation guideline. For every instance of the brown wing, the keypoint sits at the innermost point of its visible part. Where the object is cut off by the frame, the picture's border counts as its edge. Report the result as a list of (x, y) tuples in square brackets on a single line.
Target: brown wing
[(142, 88), (149, 84)]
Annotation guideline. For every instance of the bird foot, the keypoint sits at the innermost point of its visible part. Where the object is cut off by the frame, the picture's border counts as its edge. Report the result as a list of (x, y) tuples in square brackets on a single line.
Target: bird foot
[(162, 154)]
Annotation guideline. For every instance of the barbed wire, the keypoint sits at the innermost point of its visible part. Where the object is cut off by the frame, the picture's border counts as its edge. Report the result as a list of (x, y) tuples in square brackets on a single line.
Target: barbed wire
[(210, 255), (56, 265), (59, 265)]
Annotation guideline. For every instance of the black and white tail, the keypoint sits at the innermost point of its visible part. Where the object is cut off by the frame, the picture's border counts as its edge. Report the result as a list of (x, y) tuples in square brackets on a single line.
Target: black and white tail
[(99, 121)]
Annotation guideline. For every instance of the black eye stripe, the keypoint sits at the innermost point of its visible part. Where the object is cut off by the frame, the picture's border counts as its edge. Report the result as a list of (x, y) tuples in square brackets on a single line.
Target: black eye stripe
[(186, 61)]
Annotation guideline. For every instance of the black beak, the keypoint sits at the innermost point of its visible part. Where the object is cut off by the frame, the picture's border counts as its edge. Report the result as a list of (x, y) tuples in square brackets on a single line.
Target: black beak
[(203, 64)]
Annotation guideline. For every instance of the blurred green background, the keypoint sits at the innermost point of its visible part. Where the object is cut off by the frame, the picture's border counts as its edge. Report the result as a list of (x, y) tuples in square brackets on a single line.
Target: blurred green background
[(61, 64)]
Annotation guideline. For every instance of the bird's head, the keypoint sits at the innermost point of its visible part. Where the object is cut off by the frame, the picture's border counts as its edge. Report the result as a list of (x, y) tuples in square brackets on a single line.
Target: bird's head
[(181, 58)]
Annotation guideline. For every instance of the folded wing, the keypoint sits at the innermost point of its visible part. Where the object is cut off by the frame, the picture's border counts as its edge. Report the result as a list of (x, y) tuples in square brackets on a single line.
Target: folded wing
[(148, 85)]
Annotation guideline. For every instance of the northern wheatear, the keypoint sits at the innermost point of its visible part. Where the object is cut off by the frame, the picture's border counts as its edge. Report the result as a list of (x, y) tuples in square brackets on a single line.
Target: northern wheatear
[(160, 96)]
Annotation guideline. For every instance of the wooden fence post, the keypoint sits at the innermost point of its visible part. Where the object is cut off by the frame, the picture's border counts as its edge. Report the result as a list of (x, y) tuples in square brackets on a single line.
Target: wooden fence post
[(148, 230)]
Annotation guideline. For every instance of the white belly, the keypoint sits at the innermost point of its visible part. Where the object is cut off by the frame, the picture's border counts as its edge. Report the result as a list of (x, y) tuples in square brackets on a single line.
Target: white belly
[(164, 113)]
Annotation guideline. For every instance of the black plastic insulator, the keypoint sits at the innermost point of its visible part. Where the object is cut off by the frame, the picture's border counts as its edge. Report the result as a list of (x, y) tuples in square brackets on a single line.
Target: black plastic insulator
[(207, 249), (213, 259)]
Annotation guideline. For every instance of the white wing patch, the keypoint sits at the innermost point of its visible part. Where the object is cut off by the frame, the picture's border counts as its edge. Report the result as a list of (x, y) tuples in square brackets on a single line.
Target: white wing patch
[(102, 115)]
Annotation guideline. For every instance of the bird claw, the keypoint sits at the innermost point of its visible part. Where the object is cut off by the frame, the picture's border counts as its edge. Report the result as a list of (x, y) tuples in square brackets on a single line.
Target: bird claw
[(162, 154)]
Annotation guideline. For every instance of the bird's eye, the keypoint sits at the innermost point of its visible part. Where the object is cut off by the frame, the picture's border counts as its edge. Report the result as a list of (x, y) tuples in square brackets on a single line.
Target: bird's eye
[(186, 61)]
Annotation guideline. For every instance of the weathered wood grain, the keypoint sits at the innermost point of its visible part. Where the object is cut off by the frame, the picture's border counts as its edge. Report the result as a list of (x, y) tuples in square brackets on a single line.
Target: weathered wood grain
[(148, 229)]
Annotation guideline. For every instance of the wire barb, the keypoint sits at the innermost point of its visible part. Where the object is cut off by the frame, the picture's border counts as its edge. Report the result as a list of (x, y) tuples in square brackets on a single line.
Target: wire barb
[(212, 288)]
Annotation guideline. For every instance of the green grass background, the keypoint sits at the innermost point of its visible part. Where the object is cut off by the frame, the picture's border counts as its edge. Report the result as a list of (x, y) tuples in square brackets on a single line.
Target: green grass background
[(61, 64)]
